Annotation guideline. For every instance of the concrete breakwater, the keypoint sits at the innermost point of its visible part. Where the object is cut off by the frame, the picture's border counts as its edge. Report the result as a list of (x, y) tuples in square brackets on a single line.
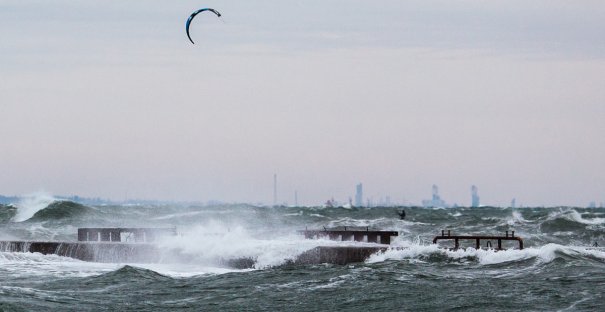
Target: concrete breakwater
[(338, 254), (149, 253), (135, 245), (101, 247), (87, 251)]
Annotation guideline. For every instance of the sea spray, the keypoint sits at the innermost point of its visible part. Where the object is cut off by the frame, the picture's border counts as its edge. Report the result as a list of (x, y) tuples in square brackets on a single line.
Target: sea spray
[(209, 244), (29, 204), (557, 269), (213, 244)]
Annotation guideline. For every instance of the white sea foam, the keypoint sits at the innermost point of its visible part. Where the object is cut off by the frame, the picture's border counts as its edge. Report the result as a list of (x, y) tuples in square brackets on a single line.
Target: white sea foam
[(181, 270), (35, 264), (32, 203), (576, 216), (544, 254), (372, 223), (333, 282), (28, 264), (598, 252), (211, 243), (178, 215), (516, 218)]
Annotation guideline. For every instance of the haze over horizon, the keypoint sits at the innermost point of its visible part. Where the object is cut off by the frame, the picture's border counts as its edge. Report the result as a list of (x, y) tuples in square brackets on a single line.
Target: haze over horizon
[(107, 98)]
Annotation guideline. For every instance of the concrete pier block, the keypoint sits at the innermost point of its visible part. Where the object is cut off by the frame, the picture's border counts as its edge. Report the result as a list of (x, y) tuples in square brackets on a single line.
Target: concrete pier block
[(372, 238)]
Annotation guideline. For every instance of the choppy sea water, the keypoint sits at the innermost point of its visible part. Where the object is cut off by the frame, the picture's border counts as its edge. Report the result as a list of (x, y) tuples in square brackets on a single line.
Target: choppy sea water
[(557, 271)]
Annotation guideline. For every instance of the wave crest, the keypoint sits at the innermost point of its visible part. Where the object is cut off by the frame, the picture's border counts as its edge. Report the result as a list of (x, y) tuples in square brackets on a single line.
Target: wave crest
[(543, 254), (61, 210)]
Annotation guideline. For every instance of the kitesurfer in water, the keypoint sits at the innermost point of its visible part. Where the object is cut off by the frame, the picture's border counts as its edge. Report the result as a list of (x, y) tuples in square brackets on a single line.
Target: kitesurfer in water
[(401, 214)]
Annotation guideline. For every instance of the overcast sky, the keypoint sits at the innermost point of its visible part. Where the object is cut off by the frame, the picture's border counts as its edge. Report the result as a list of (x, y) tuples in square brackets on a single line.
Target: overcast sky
[(110, 99)]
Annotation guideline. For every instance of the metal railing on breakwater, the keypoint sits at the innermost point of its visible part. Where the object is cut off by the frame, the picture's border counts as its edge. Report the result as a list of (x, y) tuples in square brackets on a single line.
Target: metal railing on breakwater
[(478, 238)]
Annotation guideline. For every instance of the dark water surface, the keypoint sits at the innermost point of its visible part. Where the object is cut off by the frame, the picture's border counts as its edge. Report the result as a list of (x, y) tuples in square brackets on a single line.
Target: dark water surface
[(558, 269)]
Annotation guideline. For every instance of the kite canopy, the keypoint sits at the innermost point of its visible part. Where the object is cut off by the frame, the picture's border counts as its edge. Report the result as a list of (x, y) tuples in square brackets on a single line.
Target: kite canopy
[(196, 13)]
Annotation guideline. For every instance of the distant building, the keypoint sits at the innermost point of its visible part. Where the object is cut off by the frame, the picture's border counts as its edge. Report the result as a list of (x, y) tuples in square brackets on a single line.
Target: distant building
[(474, 196), (359, 195), (435, 201), (513, 203)]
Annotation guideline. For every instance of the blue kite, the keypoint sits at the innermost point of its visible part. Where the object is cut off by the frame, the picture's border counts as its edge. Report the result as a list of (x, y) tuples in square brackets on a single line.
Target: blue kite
[(193, 15)]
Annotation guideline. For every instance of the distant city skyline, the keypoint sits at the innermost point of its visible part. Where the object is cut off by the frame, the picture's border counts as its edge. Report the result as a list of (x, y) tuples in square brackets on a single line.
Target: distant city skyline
[(436, 201), (105, 98)]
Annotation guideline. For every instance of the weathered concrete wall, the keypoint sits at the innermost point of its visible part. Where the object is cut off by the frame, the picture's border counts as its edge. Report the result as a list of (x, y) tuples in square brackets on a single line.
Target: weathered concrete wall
[(98, 252), (148, 253), (337, 255)]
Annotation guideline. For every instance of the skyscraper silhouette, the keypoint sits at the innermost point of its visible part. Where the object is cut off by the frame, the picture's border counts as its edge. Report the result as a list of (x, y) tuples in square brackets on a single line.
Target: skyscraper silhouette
[(474, 196), (359, 195)]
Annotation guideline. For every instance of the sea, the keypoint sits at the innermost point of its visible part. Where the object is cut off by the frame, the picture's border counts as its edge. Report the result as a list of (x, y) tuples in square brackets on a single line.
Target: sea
[(561, 268)]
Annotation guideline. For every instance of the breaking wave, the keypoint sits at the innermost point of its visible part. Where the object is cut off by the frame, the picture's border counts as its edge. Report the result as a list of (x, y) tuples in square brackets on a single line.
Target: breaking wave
[(30, 204), (544, 254), (59, 210), (7, 213), (570, 220), (214, 245), (128, 273)]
